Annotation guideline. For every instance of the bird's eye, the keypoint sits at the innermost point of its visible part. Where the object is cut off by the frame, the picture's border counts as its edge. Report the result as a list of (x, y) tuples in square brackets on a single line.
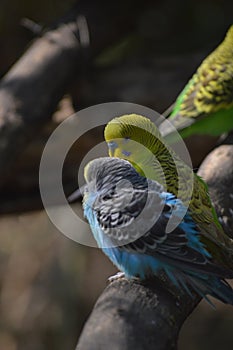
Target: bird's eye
[(126, 153)]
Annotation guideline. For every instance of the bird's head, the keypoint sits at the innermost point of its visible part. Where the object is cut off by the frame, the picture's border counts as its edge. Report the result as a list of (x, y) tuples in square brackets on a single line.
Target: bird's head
[(134, 138), (104, 174), (124, 132), (101, 172), (114, 176)]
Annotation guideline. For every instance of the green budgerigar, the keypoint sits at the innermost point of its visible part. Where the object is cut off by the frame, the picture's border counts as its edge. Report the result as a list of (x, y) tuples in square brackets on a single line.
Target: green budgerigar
[(205, 106), (136, 139)]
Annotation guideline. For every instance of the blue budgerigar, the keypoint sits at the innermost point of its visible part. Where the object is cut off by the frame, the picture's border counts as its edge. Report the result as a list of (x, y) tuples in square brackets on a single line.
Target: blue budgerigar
[(128, 215)]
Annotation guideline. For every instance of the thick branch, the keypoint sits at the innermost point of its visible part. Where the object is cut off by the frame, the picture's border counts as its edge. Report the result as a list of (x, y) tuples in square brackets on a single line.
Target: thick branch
[(217, 171), (133, 315)]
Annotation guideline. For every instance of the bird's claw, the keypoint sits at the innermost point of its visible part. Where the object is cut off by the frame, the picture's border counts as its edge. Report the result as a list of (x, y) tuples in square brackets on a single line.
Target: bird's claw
[(117, 276)]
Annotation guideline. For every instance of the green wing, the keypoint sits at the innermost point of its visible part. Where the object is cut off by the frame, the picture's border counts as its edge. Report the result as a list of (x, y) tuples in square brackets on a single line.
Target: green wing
[(205, 106)]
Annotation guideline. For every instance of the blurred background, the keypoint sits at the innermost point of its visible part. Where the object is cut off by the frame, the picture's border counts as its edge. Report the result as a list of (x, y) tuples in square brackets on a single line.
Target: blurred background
[(48, 283)]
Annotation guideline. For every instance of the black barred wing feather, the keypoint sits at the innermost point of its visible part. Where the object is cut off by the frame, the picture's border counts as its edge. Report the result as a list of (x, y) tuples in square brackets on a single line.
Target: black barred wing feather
[(125, 214), (136, 221), (178, 248)]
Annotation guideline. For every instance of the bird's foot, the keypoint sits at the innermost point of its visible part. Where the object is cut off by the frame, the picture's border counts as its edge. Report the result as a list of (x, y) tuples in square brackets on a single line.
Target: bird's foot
[(120, 275), (117, 276)]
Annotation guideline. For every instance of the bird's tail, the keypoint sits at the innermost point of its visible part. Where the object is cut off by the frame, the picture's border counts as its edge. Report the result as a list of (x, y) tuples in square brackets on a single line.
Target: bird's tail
[(203, 285), (212, 285)]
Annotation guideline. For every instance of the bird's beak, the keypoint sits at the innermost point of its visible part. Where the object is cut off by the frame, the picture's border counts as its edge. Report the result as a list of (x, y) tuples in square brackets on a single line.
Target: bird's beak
[(76, 195)]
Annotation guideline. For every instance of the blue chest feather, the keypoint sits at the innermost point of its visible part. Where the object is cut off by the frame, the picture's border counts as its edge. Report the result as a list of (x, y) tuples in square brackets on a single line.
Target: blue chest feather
[(132, 264)]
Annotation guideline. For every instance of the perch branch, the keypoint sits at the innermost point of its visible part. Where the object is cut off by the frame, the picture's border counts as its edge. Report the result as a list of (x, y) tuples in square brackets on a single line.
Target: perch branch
[(133, 315), (217, 171)]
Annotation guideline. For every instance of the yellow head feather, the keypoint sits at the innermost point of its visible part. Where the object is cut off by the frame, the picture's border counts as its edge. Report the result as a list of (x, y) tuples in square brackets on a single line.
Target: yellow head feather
[(137, 139), (130, 126)]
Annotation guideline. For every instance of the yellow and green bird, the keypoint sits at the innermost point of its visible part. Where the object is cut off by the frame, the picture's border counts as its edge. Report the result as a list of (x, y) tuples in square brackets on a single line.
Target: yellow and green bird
[(136, 139), (205, 105)]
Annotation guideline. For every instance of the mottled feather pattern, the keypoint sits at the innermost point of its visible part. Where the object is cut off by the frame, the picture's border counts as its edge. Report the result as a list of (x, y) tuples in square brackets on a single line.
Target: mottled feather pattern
[(177, 175), (118, 204), (146, 248), (211, 87)]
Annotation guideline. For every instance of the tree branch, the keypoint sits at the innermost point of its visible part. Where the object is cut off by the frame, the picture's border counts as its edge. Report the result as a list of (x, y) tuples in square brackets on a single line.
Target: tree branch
[(217, 171), (32, 88), (136, 315)]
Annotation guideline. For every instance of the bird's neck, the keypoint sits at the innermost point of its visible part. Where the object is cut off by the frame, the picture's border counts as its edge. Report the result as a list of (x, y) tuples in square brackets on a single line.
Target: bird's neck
[(157, 162)]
